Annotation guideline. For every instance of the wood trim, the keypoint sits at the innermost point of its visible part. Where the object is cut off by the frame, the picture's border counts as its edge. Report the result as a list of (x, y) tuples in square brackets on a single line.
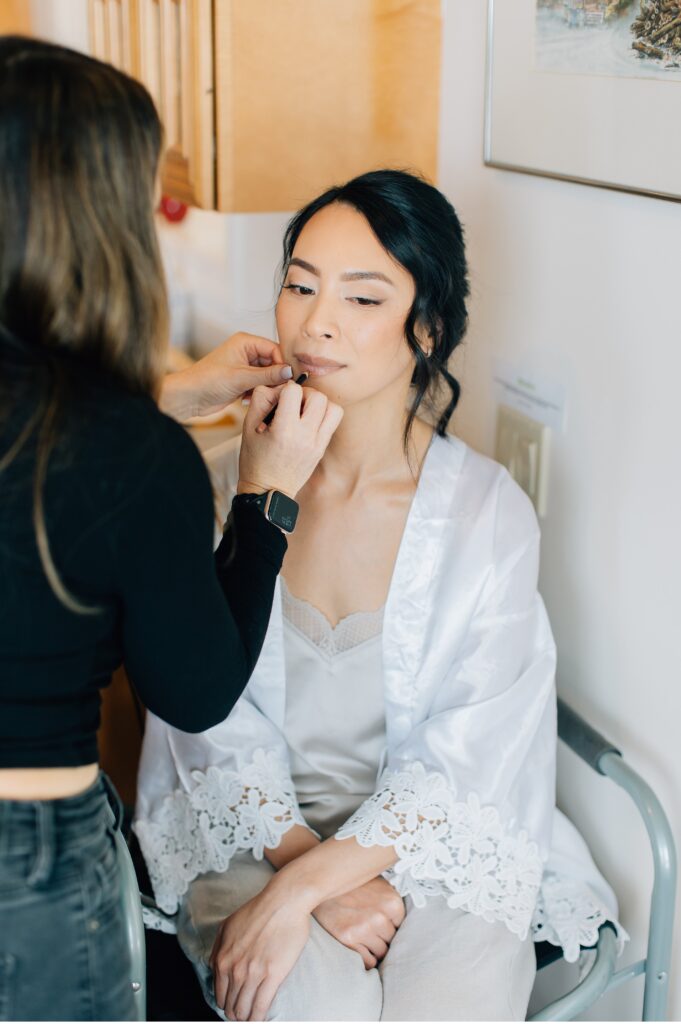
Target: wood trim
[(149, 66), (203, 101), (96, 15), (169, 70), (189, 169), (224, 150), (168, 45), (176, 179)]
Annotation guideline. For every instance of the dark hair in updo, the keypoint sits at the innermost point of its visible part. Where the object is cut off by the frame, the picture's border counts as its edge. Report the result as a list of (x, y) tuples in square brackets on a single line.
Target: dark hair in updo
[(419, 228)]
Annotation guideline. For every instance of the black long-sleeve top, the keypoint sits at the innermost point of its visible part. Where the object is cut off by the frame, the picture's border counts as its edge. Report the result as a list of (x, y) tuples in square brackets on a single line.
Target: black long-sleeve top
[(130, 522)]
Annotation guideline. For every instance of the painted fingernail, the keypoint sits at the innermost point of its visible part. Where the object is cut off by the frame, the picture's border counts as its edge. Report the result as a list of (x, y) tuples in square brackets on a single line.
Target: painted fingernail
[(245, 401), (286, 373)]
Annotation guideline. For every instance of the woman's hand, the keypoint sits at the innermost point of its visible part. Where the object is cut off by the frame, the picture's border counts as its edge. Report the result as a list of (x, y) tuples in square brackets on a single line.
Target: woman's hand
[(365, 919), (239, 364), (254, 951), (285, 455)]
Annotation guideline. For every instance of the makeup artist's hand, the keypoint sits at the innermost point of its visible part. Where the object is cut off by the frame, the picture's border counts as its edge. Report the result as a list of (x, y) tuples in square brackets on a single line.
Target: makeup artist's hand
[(285, 455), (239, 364), (365, 919)]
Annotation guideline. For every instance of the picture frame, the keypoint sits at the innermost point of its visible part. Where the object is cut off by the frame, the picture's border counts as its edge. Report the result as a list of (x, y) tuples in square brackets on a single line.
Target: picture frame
[(575, 100)]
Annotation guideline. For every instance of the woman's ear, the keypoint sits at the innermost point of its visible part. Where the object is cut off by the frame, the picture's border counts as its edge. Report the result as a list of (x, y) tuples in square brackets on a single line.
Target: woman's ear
[(428, 338)]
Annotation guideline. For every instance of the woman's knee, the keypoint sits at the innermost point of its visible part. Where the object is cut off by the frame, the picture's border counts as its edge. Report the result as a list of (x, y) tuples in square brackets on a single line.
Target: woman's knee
[(451, 965)]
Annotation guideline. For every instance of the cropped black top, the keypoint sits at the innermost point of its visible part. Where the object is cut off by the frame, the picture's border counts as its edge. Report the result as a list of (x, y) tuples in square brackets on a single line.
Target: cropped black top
[(130, 523)]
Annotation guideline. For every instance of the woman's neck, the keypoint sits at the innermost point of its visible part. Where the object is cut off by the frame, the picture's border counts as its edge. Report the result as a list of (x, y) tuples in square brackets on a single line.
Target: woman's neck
[(368, 448)]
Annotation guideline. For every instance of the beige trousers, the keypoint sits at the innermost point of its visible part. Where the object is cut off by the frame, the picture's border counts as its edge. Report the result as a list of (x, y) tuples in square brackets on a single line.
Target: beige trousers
[(443, 964)]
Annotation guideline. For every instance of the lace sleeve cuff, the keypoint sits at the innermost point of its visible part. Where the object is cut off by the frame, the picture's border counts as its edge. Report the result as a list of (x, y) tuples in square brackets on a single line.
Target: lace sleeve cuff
[(456, 849), (225, 811)]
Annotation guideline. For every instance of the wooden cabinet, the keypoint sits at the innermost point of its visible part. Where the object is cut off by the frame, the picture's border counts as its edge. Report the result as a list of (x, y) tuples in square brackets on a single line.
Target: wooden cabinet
[(267, 102), (168, 45), (15, 17)]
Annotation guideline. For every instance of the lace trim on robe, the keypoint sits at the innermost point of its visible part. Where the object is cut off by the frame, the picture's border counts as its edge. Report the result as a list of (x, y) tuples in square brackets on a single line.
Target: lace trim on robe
[(224, 813), (461, 851)]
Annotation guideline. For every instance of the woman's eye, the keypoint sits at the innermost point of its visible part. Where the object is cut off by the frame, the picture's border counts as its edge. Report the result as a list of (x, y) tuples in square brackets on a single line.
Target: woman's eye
[(362, 301), (299, 289)]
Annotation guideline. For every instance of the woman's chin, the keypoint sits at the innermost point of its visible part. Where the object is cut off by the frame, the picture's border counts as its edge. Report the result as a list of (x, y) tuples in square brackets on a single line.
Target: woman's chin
[(330, 386)]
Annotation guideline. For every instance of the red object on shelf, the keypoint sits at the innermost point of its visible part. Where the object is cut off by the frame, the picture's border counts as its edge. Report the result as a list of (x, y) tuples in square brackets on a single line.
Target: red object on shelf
[(172, 209)]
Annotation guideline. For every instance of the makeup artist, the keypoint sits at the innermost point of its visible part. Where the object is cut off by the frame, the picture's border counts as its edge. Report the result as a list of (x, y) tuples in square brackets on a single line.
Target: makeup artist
[(106, 512)]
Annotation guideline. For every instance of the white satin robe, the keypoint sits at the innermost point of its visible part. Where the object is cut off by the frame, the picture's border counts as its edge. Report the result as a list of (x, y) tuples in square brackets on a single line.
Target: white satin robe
[(466, 788)]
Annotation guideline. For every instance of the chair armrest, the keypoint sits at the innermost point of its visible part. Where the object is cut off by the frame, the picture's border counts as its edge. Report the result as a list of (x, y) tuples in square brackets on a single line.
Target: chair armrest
[(580, 737), (591, 987), (606, 759)]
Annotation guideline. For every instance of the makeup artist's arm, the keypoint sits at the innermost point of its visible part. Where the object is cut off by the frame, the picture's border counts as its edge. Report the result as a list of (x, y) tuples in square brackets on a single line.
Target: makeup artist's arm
[(257, 946), (239, 364)]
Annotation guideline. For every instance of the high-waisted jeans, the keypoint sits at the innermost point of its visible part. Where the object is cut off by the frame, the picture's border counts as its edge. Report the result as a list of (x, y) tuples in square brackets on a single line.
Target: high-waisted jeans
[(63, 954)]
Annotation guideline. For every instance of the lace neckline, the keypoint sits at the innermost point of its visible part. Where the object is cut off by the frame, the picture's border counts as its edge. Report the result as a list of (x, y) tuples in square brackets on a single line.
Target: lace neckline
[(351, 631)]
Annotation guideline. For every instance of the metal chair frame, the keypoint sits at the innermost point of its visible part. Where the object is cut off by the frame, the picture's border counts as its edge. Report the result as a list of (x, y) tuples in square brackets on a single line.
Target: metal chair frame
[(604, 758), (132, 909)]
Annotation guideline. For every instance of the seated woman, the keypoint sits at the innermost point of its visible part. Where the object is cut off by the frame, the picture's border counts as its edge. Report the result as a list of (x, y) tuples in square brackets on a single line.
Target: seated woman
[(393, 757)]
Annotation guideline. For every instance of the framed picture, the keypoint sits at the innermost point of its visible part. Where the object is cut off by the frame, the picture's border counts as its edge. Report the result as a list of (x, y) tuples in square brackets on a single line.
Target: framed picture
[(587, 90)]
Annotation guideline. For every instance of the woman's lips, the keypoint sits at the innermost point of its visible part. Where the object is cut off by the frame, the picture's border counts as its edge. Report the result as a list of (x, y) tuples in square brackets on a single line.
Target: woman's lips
[(316, 366)]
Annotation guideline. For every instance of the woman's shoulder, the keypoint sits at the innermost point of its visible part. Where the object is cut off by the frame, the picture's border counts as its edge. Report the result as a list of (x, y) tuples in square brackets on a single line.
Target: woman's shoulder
[(478, 488)]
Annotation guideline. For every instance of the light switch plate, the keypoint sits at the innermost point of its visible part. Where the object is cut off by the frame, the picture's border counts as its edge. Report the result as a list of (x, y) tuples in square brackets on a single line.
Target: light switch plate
[(523, 447)]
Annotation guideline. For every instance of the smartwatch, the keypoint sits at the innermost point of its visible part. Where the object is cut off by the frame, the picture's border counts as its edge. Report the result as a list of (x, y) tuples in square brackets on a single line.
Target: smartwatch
[(276, 507)]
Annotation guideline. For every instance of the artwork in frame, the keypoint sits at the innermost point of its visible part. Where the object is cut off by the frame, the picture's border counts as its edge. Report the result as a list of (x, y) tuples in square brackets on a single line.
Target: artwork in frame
[(588, 90)]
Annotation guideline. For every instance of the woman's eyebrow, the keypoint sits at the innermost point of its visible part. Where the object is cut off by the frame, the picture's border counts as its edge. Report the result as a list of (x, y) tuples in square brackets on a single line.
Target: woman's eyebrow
[(295, 262), (366, 275), (350, 275)]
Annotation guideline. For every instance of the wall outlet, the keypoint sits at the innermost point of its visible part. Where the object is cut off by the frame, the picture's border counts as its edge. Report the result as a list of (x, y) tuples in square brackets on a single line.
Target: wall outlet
[(523, 447)]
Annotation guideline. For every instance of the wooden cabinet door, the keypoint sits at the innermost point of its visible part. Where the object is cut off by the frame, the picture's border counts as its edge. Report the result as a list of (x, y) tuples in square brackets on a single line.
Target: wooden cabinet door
[(312, 92), (168, 45), (15, 17)]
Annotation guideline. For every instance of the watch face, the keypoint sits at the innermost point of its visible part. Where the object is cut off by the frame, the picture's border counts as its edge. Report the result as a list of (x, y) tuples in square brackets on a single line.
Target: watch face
[(283, 511)]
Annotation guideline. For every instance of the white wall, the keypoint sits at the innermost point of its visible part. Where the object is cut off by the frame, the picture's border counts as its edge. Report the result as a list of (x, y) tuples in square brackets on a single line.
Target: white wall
[(584, 284), (222, 273), (61, 21)]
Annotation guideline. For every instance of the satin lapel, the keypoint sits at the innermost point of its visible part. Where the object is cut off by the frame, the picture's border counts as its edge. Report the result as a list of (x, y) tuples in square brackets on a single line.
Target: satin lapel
[(408, 607)]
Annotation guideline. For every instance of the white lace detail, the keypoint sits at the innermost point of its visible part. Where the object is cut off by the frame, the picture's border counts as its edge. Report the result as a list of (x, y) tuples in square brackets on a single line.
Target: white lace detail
[(350, 632), (225, 812), (450, 848), (569, 914)]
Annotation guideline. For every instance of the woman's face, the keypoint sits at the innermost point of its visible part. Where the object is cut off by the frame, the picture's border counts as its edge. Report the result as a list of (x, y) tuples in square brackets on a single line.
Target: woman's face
[(343, 307)]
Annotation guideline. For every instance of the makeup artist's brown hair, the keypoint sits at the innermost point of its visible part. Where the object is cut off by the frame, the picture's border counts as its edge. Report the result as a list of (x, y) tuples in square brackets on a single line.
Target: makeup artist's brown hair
[(81, 279)]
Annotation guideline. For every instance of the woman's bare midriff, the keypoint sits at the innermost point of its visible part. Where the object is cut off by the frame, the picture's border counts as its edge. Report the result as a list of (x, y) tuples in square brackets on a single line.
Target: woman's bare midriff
[(46, 783)]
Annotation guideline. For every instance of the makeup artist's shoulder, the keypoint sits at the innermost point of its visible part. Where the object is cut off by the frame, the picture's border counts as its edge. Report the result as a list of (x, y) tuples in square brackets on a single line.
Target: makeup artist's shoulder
[(124, 426)]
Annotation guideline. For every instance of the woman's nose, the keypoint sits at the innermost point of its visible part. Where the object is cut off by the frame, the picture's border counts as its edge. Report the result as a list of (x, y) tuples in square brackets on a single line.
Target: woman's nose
[(321, 321)]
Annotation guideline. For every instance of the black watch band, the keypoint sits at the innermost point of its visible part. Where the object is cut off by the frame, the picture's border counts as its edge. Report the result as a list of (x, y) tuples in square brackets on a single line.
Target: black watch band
[(276, 507)]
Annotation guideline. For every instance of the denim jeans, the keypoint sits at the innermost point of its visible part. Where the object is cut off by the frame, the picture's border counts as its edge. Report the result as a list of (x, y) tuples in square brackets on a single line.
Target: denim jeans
[(63, 953)]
